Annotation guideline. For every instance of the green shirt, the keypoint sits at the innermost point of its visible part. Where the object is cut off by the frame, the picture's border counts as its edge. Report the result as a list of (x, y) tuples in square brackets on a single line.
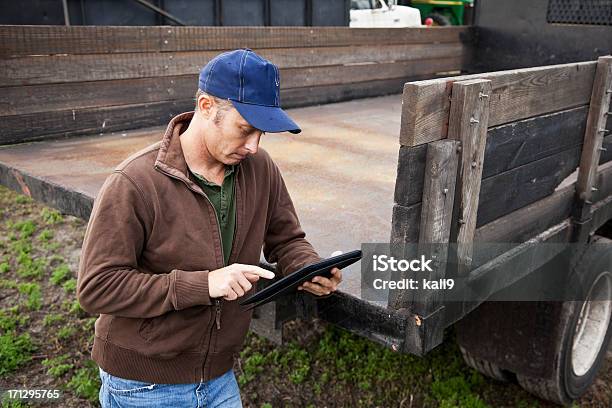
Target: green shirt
[(224, 202)]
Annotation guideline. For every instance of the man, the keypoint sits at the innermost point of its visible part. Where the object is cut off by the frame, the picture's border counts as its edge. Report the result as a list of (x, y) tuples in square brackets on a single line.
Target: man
[(174, 238)]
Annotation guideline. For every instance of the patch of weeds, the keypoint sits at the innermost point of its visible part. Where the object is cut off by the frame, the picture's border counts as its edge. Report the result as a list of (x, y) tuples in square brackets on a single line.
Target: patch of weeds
[(51, 216), (10, 319), (74, 308), (457, 391), (89, 324), (14, 351), (32, 290), (57, 366), (60, 274), (8, 284), (298, 361), (253, 365), (5, 267), (85, 382), (25, 228), (70, 285), (65, 332), (8, 402), (20, 246), (51, 246), (45, 235), (22, 199), (30, 268), (52, 318)]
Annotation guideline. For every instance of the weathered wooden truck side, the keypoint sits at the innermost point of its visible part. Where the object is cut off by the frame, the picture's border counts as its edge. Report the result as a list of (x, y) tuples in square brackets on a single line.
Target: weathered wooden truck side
[(499, 144), (513, 157)]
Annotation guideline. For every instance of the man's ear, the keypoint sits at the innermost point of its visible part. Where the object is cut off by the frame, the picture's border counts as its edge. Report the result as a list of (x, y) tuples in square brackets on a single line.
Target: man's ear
[(205, 104)]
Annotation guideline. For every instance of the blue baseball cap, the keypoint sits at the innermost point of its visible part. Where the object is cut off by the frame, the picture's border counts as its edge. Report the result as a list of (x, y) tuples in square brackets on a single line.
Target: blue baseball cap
[(252, 84)]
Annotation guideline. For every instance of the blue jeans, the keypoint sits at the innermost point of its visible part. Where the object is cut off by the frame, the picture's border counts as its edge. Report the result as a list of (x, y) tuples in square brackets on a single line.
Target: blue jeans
[(117, 392)]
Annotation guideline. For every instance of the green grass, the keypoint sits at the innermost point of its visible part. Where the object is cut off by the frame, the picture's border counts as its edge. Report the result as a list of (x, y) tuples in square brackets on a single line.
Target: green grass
[(51, 216), (65, 332), (11, 320), (85, 382), (342, 360), (14, 351), (8, 284), (27, 266), (45, 235), (5, 267), (52, 318), (25, 228), (58, 366), (70, 285), (60, 274), (22, 199), (33, 293), (74, 308)]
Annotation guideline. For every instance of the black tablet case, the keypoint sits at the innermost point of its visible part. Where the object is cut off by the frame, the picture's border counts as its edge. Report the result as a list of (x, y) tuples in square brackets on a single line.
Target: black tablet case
[(291, 282)]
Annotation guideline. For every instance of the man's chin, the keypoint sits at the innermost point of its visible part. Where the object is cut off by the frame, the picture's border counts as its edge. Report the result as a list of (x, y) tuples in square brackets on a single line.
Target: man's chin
[(236, 158)]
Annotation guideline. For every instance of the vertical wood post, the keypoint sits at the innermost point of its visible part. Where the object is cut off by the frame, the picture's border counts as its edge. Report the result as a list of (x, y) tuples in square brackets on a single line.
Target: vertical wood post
[(436, 217), (436, 214), (468, 121), (599, 110)]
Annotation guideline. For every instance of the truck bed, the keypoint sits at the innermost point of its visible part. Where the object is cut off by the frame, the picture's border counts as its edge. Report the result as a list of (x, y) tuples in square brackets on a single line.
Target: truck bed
[(340, 170)]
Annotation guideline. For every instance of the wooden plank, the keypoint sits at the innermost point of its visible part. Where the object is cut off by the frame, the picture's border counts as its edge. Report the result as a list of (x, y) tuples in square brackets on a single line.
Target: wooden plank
[(405, 222), (436, 213), (510, 266), (45, 98), (468, 121), (523, 185), (312, 95), (593, 137), (508, 146), (23, 100), (606, 154), (410, 175), (439, 191), (96, 67), (603, 182), (436, 217), (516, 94), (526, 222), (38, 126), (349, 74), (522, 142), (46, 40)]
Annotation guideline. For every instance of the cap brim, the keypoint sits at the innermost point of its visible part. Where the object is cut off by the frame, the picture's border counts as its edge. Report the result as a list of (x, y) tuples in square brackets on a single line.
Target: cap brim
[(266, 118)]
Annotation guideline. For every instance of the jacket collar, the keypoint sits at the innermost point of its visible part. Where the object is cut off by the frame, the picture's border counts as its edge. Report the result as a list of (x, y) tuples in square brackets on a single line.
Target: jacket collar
[(170, 157)]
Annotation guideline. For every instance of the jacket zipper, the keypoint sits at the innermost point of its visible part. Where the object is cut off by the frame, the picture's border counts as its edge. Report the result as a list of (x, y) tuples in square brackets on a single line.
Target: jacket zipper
[(217, 301)]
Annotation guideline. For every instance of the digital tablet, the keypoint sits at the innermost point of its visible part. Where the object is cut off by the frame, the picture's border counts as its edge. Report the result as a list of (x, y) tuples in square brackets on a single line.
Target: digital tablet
[(291, 282)]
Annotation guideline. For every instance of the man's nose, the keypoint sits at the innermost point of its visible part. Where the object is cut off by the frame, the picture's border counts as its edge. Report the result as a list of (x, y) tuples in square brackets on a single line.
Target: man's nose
[(253, 142)]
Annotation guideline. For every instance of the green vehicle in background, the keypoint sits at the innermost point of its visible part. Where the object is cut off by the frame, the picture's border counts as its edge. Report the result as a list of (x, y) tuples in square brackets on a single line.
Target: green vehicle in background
[(444, 12)]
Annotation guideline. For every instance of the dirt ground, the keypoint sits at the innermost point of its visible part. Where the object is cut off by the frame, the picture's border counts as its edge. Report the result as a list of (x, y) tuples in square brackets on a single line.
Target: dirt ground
[(45, 341)]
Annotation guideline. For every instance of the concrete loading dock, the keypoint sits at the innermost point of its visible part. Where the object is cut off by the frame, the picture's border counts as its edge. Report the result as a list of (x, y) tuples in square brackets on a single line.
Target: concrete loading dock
[(335, 152)]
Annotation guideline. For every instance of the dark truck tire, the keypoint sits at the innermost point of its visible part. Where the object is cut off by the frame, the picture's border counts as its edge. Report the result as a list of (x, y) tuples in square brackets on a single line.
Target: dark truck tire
[(534, 340), (485, 367), (584, 329)]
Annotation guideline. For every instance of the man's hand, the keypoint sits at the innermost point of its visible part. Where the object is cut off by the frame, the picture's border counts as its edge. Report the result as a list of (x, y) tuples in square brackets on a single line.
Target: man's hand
[(234, 280), (320, 285)]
